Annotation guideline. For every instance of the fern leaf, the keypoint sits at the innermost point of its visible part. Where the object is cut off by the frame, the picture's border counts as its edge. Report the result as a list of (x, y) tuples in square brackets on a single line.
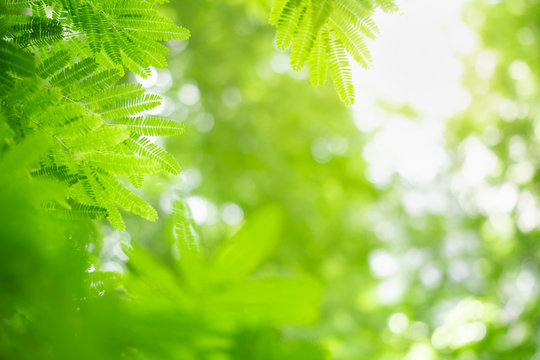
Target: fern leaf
[(277, 9), (351, 10), (320, 10), (125, 198), (151, 126), (131, 106), (60, 173), (113, 96), (74, 73), (352, 40), (110, 45), (17, 4), (68, 120), (102, 138), (367, 27), (81, 192), (102, 197), (76, 211), (341, 71), (37, 31), (131, 57), (303, 41), (318, 65), (95, 83), (154, 27), (136, 180), (15, 60), (388, 6), (122, 164), (287, 23), (150, 51), (53, 64), (145, 148), (78, 126), (191, 258)]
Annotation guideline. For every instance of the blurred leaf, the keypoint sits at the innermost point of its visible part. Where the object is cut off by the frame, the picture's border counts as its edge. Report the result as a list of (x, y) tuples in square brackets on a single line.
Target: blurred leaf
[(246, 249), (273, 301)]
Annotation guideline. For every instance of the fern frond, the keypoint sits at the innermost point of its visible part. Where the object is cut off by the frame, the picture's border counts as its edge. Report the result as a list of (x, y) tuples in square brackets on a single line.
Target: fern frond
[(275, 12), (37, 31), (102, 138), (151, 126), (130, 106), (352, 40), (102, 197), (132, 57), (111, 97), (95, 83), (341, 71), (60, 173), (143, 147), (74, 73), (192, 262), (317, 63), (288, 23), (53, 64), (76, 211), (136, 180), (125, 198), (303, 41), (78, 126), (151, 52), (76, 47), (127, 32), (351, 10), (122, 164), (320, 10), (388, 6), (17, 4), (154, 27), (305, 23), (81, 191), (74, 93), (15, 60), (59, 119)]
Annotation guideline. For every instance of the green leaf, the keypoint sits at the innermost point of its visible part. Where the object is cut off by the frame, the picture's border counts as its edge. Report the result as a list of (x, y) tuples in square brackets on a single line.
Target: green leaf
[(190, 259), (302, 42), (15, 59), (270, 301), (143, 147), (318, 65), (341, 71), (125, 198), (53, 63), (122, 164), (103, 198), (74, 73), (151, 126), (241, 254), (102, 138)]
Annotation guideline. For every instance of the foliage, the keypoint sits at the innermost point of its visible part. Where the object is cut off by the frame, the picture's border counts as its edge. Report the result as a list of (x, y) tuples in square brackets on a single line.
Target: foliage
[(72, 132), (151, 309), (322, 33), (461, 259), (441, 269), (61, 63)]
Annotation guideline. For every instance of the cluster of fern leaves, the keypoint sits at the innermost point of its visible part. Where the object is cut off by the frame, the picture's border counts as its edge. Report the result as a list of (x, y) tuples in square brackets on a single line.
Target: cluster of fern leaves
[(321, 33), (60, 67)]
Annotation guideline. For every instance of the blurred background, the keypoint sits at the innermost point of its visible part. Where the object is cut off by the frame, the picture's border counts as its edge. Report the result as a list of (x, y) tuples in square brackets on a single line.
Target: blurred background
[(416, 210)]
